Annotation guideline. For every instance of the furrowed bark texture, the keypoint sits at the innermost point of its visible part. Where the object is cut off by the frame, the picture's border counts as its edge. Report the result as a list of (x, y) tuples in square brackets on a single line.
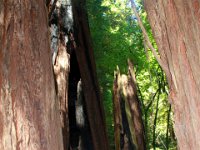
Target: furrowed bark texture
[(29, 116), (85, 57), (176, 28)]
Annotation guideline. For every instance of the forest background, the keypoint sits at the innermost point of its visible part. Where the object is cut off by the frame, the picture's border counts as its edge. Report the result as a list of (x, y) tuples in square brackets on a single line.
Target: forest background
[(34, 101), (117, 37)]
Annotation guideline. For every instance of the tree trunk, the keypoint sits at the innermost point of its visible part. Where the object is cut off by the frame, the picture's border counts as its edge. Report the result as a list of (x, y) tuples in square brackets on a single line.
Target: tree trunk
[(129, 128), (117, 112), (61, 71), (61, 63), (85, 58), (168, 126), (82, 118), (29, 116), (135, 108), (155, 121), (124, 128), (175, 24)]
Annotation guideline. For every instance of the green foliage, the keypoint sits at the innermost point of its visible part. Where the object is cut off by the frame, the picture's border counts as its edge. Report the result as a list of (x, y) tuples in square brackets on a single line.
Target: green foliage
[(117, 37)]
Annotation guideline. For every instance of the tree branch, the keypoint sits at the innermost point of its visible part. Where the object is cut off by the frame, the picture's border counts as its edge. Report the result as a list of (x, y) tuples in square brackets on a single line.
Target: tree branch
[(150, 46)]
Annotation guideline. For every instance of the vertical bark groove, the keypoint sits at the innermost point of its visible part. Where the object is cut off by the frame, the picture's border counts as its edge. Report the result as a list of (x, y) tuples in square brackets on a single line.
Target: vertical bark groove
[(28, 110)]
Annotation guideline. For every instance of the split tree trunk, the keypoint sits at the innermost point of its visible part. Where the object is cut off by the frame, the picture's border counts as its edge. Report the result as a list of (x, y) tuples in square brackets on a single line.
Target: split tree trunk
[(29, 116), (61, 60), (82, 66), (61, 71), (135, 108), (117, 111), (176, 28), (129, 128), (85, 57)]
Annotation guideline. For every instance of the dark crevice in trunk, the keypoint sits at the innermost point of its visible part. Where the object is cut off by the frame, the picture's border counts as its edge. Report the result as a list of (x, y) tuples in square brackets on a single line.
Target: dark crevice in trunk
[(126, 140), (128, 123), (84, 112), (86, 61), (74, 77), (80, 136)]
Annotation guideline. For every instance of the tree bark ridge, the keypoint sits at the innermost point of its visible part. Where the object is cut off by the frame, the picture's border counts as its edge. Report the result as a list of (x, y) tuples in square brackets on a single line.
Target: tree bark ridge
[(175, 26), (28, 108)]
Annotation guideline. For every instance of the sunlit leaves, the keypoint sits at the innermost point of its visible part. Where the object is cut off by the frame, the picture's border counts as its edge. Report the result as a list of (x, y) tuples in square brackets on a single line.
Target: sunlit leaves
[(117, 37)]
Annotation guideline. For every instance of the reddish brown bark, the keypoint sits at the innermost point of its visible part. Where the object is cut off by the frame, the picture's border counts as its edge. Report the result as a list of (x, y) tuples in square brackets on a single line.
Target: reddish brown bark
[(85, 58), (175, 24), (29, 116)]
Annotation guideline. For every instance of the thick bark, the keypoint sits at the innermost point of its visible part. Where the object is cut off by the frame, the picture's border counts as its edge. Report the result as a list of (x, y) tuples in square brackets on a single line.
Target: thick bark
[(85, 58), (29, 116), (175, 24)]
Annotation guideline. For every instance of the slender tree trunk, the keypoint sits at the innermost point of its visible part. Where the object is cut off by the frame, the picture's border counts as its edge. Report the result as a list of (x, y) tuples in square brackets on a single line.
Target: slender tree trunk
[(146, 114), (29, 116), (155, 121), (175, 24), (167, 130)]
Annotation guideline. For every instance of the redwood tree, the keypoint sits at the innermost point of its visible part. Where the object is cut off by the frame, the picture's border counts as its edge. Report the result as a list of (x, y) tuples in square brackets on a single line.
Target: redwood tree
[(86, 61), (29, 116), (176, 28), (128, 124)]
